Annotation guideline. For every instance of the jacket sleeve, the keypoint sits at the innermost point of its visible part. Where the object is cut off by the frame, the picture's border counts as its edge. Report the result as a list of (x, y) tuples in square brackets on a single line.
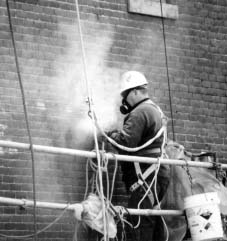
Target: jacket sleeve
[(132, 130)]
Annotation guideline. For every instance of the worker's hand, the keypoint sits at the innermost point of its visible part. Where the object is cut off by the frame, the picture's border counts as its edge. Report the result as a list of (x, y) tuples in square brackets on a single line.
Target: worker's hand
[(112, 133)]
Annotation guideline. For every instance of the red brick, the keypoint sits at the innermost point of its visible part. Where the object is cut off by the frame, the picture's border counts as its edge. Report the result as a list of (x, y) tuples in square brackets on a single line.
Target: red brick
[(48, 48)]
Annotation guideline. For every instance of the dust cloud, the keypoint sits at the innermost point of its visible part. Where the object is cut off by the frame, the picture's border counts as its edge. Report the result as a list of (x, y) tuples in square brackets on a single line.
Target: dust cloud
[(84, 79)]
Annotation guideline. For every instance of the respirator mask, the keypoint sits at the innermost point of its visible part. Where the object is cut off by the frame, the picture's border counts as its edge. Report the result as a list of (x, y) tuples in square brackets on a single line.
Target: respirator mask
[(125, 107)]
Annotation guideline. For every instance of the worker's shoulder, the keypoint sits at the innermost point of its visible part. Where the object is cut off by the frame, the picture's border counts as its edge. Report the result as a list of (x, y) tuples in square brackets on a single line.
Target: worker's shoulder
[(145, 110), (146, 106)]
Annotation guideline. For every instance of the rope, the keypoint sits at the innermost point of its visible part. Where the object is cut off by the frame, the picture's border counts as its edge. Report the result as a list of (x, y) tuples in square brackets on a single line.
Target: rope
[(92, 115), (148, 190), (154, 180), (167, 70), (26, 115), (162, 130), (114, 176), (133, 149), (109, 188), (104, 168), (159, 206)]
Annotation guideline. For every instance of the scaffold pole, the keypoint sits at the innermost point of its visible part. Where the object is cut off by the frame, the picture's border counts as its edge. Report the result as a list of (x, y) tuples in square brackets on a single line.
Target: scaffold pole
[(110, 156), (74, 207)]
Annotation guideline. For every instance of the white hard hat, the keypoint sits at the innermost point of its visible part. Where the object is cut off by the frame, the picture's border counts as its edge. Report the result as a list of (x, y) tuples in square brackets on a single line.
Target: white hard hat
[(132, 79)]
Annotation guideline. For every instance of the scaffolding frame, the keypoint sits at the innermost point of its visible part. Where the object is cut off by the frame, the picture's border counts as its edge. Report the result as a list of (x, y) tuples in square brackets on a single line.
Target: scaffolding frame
[(110, 156), (92, 154)]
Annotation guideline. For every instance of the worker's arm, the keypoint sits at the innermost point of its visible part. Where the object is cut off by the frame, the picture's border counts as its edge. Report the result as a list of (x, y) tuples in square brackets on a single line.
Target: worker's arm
[(132, 130)]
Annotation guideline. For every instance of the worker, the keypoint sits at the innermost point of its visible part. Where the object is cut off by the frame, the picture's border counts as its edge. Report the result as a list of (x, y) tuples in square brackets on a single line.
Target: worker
[(142, 122)]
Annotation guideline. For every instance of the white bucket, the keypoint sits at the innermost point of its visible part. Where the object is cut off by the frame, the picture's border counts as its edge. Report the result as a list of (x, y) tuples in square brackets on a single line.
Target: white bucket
[(204, 218)]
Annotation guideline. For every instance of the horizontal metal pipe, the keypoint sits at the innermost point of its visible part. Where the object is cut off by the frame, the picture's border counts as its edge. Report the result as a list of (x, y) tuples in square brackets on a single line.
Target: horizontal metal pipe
[(154, 212), (111, 156), (79, 206), (30, 203)]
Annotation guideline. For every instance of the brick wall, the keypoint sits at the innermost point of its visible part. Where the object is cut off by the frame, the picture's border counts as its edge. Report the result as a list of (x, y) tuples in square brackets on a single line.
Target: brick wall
[(51, 67)]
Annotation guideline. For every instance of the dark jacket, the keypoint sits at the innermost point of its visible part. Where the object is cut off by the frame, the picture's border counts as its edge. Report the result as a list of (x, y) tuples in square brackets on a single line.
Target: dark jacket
[(140, 125)]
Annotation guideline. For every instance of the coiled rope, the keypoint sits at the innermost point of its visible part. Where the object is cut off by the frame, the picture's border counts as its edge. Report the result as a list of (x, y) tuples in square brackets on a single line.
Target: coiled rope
[(118, 211)]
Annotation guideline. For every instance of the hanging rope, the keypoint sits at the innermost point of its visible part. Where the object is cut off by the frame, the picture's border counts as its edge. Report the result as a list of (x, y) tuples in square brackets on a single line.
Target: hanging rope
[(91, 111), (171, 109), (26, 116), (116, 211), (148, 190), (167, 69)]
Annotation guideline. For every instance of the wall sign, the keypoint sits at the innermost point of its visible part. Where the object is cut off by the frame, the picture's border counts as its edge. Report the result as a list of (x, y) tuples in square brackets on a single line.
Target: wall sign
[(153, 8)]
